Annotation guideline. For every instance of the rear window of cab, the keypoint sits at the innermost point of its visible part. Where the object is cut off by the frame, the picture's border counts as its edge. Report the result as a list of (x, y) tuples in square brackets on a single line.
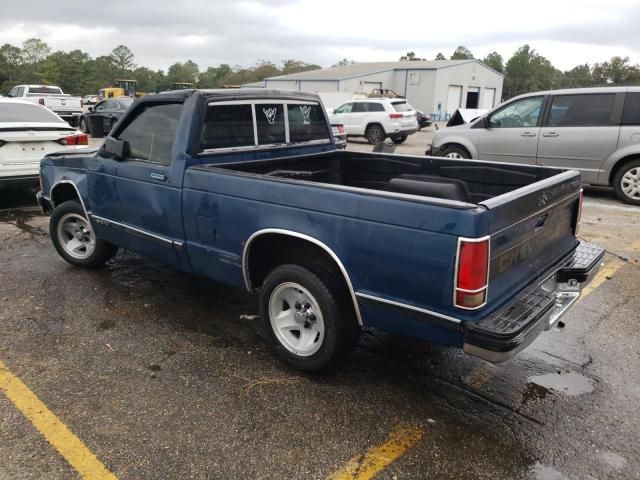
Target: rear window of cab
[(230, 125)]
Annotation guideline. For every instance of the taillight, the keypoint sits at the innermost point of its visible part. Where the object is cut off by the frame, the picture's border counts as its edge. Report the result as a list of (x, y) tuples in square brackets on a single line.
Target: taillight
[(41, 101), (340, 128), (81, 103), (395, 115), (472, 273), (79, 139), (579, 211)]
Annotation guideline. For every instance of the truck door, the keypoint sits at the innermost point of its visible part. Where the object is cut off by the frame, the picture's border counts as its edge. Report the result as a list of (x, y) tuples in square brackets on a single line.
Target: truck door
[(135, 201), (581, 131), (513, 132)]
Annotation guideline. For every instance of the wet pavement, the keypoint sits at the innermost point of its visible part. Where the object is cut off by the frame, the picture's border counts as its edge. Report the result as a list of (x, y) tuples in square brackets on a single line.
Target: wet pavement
[(167, 375)]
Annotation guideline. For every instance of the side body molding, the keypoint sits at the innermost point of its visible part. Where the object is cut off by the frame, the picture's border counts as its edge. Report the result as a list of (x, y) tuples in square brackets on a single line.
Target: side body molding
[(247, 248)]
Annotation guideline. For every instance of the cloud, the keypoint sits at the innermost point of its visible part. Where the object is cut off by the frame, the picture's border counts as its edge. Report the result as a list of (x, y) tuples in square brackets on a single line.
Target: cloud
[(214, 32)]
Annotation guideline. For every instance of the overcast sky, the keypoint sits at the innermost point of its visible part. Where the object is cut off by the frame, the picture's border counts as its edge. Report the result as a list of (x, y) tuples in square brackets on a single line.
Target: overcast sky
[(162, 32)]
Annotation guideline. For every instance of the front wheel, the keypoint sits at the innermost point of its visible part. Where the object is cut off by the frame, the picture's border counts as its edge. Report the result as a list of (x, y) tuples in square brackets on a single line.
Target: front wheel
[(455, 152), (73, 237), (308, 317), (375, 134), (626, 182)]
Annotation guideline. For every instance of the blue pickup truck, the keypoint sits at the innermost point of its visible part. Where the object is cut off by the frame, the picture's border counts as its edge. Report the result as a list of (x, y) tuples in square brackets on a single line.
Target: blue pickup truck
[(247, 187)]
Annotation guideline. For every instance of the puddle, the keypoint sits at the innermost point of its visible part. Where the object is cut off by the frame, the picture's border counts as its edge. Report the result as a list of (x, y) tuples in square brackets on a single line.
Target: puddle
[(544, 472), (566, 383), (533, 391)]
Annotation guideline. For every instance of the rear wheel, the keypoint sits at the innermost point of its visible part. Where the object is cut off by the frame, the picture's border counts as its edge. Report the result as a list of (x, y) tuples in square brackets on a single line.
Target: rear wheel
[(455, 152), (374, 134), (308, 316), (626, 182), (399, 139), (73, 237), (83, 125)]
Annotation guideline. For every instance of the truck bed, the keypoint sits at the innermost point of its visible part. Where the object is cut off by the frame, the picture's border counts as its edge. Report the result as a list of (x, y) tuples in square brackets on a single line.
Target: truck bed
[(458, 181)]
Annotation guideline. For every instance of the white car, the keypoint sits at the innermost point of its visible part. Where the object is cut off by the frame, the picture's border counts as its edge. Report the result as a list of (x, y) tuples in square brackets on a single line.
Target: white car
[(67, 107), (377, 119), (27, 133)]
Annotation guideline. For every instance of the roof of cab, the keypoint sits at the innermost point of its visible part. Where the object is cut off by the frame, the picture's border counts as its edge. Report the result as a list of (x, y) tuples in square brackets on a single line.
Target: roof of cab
[(236, 93)]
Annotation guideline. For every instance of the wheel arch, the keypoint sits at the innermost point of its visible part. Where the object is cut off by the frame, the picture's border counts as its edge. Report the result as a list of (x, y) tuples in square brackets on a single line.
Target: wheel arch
[(621, 163), (254, 274), (63, 191), (377, 124), (457, 145)]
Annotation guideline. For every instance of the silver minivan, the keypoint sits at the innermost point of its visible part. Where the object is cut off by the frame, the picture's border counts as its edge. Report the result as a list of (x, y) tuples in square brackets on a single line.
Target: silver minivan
[(593, 130)]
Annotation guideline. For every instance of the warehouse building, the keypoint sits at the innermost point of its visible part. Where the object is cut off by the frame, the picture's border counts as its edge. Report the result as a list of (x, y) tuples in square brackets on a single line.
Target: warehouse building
[(437, 87)]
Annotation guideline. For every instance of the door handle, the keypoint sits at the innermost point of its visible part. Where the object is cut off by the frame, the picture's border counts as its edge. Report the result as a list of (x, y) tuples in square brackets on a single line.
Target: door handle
[(551, 134), (528, 134), (158, 176)]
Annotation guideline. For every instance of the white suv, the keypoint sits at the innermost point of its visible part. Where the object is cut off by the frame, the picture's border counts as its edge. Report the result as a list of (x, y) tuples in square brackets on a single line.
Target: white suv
[(377, 119)]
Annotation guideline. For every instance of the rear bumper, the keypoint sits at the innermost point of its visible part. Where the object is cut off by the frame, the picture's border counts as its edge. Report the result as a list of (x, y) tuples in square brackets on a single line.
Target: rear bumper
[(19, 179), (537, 308)]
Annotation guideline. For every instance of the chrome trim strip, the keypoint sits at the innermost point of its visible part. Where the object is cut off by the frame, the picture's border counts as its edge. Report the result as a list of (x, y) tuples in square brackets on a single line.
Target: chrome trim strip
[(247, 247), (106, 222), (486, 238), (254, 120), (408, 307), (269, 146), (77, 191)]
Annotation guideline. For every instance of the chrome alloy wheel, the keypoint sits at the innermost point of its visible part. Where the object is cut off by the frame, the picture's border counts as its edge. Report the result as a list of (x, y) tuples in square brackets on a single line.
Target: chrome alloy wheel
[(296, 319), (630, 183), (453, 155), (76, 236)]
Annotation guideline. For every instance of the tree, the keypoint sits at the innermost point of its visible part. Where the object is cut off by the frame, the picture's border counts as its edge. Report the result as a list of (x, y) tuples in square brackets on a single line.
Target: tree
[(183, 73), (494, 60), (34, 51), (295, 66), (410, 57), (462, 53), (527, 71), (440, 56), (122, 59), (344, 62), (616, 71), (577, 77)]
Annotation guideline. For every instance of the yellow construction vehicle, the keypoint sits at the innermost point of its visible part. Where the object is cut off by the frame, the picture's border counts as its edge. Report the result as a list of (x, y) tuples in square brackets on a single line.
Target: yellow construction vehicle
[(123, 88)]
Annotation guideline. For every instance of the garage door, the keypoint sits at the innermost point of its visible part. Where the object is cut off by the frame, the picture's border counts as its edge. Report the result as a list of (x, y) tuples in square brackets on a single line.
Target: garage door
[(454, 97), (488, 98)]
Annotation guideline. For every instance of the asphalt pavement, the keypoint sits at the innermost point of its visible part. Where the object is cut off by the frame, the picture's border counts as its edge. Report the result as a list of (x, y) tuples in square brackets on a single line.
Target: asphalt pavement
[(160, 374)]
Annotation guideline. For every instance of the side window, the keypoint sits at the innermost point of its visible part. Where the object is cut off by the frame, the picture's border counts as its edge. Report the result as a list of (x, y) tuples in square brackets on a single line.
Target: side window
[(227, 126), (270, 123), (376, 107), (100, 107), (151, 133), (359, 107), (521, 113), (346, 108), (20, 91), (631, 112), (111, 105), (589, 110), (306, 123), (13, 91)]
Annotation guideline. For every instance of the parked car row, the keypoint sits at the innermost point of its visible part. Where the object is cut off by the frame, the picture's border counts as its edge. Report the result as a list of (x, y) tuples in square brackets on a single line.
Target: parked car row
[(65, 106), (594, 130)]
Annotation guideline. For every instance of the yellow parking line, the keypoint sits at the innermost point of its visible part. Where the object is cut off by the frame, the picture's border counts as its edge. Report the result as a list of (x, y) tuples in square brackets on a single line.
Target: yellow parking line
[(367, 465), (51, 427), (608, 270)]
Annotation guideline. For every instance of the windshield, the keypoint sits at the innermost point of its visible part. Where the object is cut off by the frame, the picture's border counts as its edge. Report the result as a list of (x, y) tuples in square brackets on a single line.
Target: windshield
[(26, 113), (402, 107), (45, 90), (126, 101)]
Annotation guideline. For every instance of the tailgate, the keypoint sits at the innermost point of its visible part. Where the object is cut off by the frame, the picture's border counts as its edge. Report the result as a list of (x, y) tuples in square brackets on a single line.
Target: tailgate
[(531, 228)]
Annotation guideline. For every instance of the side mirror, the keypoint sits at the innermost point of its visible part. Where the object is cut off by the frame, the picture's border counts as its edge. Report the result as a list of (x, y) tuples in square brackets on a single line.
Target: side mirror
[(115, 148), (90, 109)]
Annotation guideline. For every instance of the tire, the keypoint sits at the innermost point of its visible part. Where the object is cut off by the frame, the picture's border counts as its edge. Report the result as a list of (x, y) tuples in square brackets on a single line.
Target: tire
[(83, 125), (374, 134), (455, 152), (399, 140), (73, 238), (626, 182), (322, 315)]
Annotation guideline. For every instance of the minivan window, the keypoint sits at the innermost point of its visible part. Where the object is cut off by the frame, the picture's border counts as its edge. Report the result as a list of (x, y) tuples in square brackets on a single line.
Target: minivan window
[(306, 123), (151, 133), (585, 110), (227, 126), (521, 113), (631, 113), (270, 123)]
